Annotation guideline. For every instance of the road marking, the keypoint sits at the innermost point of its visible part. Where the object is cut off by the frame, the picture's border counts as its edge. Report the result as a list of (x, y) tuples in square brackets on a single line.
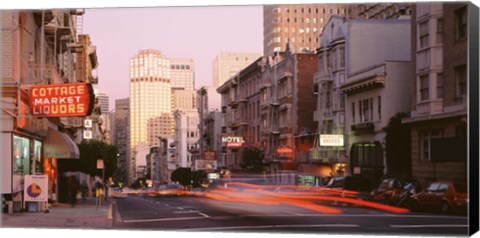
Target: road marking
[(429, 225), (180, 208), (266, 227), (203, 214), (163, 219), (187, 211)]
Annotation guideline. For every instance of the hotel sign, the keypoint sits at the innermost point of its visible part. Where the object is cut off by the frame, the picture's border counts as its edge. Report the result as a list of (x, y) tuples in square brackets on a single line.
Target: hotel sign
[(232, 141), (331, 140), (61, 100)]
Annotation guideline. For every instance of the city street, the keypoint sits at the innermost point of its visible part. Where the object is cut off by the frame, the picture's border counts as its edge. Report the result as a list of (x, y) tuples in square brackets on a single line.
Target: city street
[(202, 214)]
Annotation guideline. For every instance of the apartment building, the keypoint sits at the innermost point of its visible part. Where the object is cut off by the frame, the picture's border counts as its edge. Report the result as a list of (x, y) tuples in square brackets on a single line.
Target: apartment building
[(38, 48), (286, 110), (241, 112), (439, 92), (296, 24)]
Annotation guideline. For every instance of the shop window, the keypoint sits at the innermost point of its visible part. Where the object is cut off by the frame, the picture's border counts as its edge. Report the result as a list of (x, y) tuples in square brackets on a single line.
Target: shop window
[(426, 140), (21, 150)]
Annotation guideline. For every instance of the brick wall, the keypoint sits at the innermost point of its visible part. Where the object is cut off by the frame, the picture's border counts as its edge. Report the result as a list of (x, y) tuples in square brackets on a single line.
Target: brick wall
[(306, 66), (8, 45)]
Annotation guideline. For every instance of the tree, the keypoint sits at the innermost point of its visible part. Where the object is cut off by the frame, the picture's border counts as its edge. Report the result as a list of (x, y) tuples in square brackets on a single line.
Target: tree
[(252, 158), (90, 152), (398, 146), (182, 175)]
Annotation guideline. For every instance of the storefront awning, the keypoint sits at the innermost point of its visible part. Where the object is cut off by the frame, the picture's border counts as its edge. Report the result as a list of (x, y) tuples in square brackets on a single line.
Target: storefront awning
[(59, 145)]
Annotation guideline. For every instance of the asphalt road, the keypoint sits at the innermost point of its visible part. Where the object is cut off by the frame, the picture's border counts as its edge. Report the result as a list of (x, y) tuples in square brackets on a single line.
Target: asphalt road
[(203, 214)]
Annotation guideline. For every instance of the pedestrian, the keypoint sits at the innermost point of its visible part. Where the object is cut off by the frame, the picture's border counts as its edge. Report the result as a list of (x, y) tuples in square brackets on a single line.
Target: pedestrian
[(98, 192)]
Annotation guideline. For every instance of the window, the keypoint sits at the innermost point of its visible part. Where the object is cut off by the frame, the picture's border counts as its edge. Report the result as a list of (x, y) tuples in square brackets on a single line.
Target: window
[(425, 140), (439, 85), (461, 23), (342, 57), (440, 30), (424, 94), (461, 80), (423, 34), (353, 112), (379, 107)]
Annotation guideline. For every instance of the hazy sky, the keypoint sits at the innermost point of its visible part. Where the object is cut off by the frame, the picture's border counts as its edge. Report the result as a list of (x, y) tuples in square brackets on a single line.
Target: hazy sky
[(199, 33)]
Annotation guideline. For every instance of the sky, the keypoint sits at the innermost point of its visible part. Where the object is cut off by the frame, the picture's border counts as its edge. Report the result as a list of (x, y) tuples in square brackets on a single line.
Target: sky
[(199, 33)]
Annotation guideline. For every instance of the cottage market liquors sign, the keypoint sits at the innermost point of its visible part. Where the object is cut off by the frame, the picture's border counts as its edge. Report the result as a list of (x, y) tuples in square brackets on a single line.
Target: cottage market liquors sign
[(61, 100)]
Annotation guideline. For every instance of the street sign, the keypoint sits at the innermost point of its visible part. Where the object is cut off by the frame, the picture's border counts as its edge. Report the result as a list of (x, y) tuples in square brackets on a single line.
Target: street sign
[(100, 164), (36, 188), (209, 155)]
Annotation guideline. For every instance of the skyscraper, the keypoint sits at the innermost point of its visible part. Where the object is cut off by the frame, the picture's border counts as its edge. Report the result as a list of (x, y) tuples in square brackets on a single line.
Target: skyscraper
[(227, 64), (299, 25), (150, 92), (121, 139)]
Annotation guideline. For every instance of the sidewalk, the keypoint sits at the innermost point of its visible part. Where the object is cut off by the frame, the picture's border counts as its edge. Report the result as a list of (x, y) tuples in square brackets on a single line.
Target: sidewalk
[(85, 214)]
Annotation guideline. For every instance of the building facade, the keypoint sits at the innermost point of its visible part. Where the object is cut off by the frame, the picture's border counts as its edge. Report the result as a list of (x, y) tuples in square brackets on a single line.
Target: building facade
[(38, 48), (379, 10), (159, 127), (186, 136), (240, 108), (297, 24), (150, 92), (227, 64), (439, 91), (208, 102), (121, 135)]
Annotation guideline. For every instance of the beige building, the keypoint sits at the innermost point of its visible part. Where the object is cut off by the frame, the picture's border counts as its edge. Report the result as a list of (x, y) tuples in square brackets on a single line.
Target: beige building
[(159, 127), (299, 25), (227, 64)]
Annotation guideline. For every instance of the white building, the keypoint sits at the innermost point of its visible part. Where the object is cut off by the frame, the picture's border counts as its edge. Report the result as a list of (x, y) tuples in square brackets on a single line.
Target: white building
[(377, 68), (141, 152), (186, 136), (103, 100)]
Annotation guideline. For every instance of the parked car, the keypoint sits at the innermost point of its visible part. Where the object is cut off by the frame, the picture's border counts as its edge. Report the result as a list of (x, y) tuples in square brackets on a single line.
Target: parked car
[(443, 196), (358, 184), (389, 191)]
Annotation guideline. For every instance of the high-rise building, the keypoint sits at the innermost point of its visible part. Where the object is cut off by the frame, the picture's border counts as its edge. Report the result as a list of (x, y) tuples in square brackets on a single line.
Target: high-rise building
[(150, 92), (299, 25), (227, 64), (103, 100)]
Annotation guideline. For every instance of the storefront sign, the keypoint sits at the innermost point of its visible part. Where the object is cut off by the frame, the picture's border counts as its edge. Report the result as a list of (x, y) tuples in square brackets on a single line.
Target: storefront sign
[(284, 150), (331, 140), (209, 155), (87, 123), (87, 134), (36, 188), (232, 141), (61, 100), (205, 164), (213, 175)]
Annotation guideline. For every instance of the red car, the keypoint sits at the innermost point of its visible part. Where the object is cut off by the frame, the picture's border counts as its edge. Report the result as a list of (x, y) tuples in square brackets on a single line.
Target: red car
[(444, 196), (390, 190)]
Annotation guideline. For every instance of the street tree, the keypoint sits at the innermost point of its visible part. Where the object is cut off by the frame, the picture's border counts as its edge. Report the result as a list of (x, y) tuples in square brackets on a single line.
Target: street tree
[(398, 146), (90, 152), (252, 158)]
